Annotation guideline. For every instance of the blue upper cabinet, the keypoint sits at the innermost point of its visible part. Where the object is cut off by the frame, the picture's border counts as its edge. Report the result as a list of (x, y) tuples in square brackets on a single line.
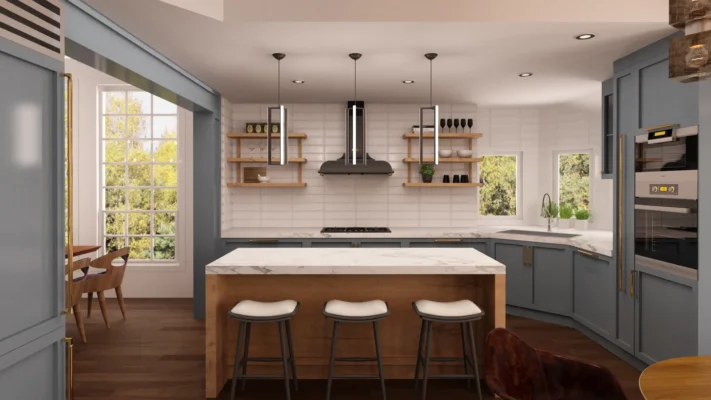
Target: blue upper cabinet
[(644, 95), (664, 101), (608, 129)]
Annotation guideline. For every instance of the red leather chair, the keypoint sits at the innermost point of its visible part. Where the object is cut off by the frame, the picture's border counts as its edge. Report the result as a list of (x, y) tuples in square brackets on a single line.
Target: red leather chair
[(517, 371)]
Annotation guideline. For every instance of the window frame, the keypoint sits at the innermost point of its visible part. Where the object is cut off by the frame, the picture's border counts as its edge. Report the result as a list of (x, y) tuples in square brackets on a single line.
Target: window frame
[(519, 187), (556, 172), (178, 236)]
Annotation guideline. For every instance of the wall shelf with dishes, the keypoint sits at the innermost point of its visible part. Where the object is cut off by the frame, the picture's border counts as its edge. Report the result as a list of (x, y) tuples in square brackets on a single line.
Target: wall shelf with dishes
[(243, 180), (463, 156)]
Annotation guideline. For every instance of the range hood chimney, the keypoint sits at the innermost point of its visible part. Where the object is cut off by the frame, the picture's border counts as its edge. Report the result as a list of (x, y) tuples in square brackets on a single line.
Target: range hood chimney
[(355, 160)]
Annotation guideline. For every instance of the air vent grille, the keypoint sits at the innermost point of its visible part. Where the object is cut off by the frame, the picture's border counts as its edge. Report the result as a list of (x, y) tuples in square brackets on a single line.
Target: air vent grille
[(36, 24)]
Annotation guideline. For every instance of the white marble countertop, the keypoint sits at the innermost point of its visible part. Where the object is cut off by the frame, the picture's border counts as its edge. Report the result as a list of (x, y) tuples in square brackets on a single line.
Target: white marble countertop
[(599, 242), (356, 261)]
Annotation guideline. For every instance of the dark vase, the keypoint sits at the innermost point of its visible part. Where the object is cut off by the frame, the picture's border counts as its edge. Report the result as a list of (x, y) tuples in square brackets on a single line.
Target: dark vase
[(445, 179), (427, 178), (455, 179), (464, 179)]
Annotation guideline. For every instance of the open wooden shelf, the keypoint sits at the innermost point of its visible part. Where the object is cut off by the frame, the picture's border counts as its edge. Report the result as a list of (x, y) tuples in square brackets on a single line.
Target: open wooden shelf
[(234, 135), (461, 135), (409, 160), (263, 160), (440, 184), (238, 160), (268, 184)]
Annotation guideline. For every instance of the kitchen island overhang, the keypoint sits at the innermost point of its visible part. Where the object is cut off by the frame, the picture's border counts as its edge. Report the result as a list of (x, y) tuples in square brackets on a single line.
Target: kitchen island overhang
[(313, 276)]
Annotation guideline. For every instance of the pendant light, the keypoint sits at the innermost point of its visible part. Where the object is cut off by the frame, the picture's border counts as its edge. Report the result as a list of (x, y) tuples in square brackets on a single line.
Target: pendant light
[(352, 119), (281, 125), (430, 56)]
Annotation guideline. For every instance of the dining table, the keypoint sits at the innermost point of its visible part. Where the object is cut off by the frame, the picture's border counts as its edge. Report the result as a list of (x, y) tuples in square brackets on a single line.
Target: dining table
[(80, 250), (687, 378)]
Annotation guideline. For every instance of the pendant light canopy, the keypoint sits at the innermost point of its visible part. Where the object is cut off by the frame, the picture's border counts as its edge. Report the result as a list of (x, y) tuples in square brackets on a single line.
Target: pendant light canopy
[(279, 127), (435, 109)]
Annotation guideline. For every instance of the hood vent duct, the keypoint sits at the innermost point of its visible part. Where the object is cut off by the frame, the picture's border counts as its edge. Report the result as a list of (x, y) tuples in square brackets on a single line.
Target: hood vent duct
[(355, 159)]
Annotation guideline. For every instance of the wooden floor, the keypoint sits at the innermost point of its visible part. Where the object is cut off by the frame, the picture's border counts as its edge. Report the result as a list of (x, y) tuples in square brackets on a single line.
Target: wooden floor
[(158, 353)]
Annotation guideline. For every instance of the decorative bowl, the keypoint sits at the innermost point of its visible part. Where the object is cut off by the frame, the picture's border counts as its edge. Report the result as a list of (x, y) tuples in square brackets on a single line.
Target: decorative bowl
[(445, 153), (262, 179), (464, 153)]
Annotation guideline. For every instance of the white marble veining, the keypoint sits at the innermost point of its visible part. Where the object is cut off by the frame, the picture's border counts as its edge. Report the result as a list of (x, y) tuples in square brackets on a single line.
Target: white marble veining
[(356, 261), (599, 242)]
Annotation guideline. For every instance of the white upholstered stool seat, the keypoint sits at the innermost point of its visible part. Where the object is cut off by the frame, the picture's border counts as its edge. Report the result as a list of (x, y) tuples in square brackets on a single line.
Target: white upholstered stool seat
[(259, 309), (447, 310), (356, 310)]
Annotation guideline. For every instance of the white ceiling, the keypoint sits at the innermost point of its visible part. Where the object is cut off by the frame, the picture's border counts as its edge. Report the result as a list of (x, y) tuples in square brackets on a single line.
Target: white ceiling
[(479, 61), (210, 8)]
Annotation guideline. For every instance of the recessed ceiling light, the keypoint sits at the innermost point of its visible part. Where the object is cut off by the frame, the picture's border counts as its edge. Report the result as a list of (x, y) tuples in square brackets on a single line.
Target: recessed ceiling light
[(299, 82), (585, 36), (525, 74), (408, 82)]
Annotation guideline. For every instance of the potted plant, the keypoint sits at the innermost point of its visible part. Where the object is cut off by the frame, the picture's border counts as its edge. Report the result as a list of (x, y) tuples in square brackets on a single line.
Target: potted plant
[(550, 212), (581, 219), (427, 170), (565, 214)]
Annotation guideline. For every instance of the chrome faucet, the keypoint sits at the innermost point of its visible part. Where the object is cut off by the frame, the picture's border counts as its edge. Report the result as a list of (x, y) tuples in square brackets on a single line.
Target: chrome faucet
[(544, 210)]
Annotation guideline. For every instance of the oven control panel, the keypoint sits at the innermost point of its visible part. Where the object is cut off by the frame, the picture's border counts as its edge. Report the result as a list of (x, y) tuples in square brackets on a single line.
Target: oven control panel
[(664, 190)]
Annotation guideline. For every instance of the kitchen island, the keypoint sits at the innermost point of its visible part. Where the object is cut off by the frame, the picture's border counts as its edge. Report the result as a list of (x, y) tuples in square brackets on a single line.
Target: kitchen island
[(313, 276)]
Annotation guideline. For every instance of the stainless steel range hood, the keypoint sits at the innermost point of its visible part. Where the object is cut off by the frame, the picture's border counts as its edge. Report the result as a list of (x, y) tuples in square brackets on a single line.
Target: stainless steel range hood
[(355, 160)]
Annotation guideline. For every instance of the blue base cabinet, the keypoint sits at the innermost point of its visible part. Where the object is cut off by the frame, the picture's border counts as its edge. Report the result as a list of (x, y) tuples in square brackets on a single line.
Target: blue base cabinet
[(593, 292), (519, 276), (552, 279)]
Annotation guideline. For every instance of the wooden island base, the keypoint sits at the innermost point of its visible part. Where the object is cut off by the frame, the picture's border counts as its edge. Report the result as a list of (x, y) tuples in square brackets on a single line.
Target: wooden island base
[(399, 333)]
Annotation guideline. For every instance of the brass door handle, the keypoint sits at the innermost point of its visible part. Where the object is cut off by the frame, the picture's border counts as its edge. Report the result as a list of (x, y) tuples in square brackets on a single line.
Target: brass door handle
[(70, 194), (69, 344), (632, 273), (264, 241)]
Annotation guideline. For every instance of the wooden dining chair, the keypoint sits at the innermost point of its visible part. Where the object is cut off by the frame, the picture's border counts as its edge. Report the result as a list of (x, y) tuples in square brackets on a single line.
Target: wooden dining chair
[(77, 289), (110, 278)]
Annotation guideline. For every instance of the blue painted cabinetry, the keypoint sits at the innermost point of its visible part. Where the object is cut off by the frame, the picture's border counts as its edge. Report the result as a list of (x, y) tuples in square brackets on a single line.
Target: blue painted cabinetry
[(552, 279), (594, 292)]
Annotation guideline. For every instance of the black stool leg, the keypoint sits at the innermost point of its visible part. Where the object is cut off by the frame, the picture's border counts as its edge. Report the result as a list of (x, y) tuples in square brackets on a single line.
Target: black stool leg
[(466, 354), (240, 337), (283, 360), (332, 364), (291, 354), (426, 361), (476, 363), (380, 360), (419, 353), (246, 355)]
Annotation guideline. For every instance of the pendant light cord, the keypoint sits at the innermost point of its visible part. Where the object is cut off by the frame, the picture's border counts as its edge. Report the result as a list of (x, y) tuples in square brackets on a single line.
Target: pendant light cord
[(355, 80), (279, 82)]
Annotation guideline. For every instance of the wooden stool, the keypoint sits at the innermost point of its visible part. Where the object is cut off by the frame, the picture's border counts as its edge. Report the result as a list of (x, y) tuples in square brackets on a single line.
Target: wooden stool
[(248, 312), (462, 312), (368, 312)]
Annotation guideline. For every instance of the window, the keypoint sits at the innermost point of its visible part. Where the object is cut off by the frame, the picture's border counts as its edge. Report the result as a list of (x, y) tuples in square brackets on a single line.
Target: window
[(139, 156), (500, 194), (573, 183)]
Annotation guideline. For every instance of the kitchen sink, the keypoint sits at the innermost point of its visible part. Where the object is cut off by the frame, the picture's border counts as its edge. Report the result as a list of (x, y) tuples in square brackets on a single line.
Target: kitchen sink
[(540, 233)]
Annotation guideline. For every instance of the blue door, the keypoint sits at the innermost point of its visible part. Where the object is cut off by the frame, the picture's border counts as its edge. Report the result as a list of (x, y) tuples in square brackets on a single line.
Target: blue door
[(32, 345)]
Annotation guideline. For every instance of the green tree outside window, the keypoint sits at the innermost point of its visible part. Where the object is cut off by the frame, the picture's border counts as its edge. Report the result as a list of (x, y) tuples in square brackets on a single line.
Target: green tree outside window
[(498, 195)]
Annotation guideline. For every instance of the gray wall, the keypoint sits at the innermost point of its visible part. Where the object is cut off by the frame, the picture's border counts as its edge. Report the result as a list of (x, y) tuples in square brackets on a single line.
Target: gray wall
[(704, 285)]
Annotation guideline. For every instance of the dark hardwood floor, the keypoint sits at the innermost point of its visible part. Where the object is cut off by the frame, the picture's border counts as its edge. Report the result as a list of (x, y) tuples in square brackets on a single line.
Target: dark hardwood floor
[(158, 353)]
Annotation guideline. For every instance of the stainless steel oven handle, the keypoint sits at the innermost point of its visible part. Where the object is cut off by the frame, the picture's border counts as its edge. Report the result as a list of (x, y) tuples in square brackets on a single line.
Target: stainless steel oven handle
[(675, 210)]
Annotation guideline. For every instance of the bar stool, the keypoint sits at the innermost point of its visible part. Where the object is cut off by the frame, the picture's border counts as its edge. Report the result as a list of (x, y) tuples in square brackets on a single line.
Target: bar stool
[(248, 312), (362, 312), (462, 312)]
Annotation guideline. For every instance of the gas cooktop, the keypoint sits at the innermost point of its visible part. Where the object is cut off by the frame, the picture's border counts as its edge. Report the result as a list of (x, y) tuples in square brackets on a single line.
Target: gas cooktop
[(355, 230)]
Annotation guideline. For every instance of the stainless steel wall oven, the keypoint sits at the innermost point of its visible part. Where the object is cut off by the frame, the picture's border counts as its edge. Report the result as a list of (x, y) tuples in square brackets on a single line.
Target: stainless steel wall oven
[(666, 197)]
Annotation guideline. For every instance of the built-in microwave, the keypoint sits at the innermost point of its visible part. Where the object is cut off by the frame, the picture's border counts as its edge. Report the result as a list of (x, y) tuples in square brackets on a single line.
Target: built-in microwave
[(666, 197)]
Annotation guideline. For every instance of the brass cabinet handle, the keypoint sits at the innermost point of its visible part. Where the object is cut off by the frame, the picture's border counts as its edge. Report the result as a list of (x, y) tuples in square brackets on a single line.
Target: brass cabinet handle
[(523, 255), (264, 241), (69, 344), (586, 253), (448, 240), (70, 193), (632, 273), (620, 212)]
